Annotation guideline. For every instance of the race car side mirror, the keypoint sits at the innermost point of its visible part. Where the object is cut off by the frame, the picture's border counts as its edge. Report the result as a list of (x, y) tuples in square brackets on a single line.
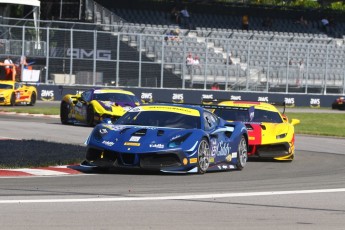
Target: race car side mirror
[(295, 122)]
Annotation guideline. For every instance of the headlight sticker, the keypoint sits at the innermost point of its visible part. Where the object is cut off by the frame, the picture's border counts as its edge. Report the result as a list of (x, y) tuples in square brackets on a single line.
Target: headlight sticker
[(134, 138)]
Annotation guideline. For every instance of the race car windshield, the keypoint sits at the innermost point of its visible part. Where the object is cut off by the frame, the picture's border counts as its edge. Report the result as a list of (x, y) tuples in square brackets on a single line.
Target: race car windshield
[(115, 97), (5, 86), (160, 119), (243, 115)]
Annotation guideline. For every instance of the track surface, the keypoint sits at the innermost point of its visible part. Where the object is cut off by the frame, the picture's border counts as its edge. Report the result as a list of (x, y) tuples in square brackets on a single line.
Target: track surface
[(308, 193)]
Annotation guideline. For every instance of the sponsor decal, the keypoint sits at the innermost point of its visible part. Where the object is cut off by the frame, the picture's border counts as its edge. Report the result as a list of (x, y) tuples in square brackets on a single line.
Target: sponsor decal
[(158, 146), (47, 95), (234, 155), (315, 102), (228, 158), (108, 143), (211, 159), (263, 99), (251, 111), (174, 109), (134, 138), (132, 144), (177, 97), (235, 98), (289, 101), (220, 167), (175, 137), (193, 160), (89, 54), (135, 109), (251, 138), (103, 131), (146, 97), (223, 149), (146, 127), (113, 127), (207, 96)]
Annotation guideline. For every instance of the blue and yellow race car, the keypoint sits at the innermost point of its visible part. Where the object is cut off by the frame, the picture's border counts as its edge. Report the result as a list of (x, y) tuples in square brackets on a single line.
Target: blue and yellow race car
[(168, 138), (94, 105)]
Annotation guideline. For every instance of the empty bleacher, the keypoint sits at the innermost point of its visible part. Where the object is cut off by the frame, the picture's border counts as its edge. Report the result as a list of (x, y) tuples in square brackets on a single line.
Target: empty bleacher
[(261, 58)]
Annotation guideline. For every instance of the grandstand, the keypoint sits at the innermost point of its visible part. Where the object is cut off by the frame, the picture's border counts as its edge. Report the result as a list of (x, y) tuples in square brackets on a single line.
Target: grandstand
[(287, 57)]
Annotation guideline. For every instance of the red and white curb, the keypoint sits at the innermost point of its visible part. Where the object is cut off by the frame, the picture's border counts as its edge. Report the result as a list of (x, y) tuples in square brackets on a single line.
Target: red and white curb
[(46, 171)]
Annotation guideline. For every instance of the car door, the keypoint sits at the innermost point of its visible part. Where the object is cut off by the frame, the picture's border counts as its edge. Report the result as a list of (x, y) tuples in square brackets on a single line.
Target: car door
[(82, 105), (20, 92), (219, 141)]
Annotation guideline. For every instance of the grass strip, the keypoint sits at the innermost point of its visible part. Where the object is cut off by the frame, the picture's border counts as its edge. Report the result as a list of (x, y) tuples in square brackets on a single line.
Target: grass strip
[(323, 124)]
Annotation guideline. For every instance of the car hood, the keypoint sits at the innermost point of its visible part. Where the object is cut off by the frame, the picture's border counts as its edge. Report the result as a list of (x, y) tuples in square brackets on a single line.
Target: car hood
[(5, 91), (125, 138), (109, 105)]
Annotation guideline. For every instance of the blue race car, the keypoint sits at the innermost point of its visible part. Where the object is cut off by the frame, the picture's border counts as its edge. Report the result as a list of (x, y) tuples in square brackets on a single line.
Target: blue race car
[(168, 138)]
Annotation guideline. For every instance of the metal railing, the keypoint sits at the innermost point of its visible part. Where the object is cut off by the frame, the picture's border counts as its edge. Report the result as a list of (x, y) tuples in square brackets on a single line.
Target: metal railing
[(125, 57)]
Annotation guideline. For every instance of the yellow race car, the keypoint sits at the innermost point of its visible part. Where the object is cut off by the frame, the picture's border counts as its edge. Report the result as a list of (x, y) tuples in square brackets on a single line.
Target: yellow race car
[(94, 105), (271, 135), (15, 93)]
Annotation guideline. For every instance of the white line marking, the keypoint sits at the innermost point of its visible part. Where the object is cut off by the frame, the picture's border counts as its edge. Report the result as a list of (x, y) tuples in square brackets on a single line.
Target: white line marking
[(184, 197)]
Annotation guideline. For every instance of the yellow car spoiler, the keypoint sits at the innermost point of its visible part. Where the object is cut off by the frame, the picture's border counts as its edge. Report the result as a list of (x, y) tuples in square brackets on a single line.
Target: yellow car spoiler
[(218, 101)]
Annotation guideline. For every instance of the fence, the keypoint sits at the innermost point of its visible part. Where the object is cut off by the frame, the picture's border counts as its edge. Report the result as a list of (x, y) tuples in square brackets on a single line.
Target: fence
[(85, 54)]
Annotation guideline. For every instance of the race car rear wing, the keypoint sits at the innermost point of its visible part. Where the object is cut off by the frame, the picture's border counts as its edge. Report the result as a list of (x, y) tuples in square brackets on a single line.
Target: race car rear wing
[(218, 101)]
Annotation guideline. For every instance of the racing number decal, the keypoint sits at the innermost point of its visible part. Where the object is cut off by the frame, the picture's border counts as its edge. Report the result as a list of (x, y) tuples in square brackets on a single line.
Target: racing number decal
[(18, 95), (214, 147)]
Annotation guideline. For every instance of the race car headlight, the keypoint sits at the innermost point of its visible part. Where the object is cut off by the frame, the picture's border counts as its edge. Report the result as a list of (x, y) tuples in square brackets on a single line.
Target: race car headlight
[(178, 141), (281, 136)]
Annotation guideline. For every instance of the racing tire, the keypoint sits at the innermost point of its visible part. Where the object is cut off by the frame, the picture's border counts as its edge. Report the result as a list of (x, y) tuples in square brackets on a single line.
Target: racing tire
[(90, 116), (33, 99), (204, 153), (64, 111), (242, 153), (13, 100)]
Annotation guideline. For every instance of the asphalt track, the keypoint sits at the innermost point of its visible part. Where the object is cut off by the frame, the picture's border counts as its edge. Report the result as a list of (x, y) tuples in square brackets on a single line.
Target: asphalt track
[(308, 193)]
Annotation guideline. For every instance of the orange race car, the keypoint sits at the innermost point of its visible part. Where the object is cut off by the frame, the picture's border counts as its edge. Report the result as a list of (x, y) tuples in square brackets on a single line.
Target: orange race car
[(271, 135), (15, 93)]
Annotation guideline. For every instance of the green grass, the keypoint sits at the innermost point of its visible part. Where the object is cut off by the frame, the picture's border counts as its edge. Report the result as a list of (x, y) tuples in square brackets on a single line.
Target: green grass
[(324, 124)]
